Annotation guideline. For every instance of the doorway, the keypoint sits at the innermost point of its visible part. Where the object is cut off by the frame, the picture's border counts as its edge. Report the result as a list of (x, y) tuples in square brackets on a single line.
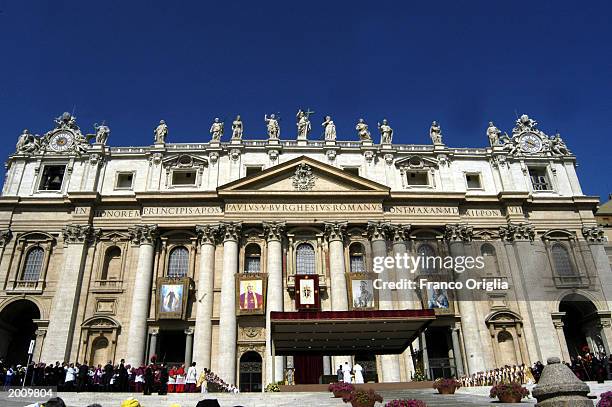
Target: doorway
[(17, 329), (581, 326), (308, 369), (250, 372), (171, 346)]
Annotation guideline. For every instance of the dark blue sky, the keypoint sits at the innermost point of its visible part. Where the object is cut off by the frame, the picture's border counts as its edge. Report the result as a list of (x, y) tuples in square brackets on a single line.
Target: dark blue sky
[(462, 63)]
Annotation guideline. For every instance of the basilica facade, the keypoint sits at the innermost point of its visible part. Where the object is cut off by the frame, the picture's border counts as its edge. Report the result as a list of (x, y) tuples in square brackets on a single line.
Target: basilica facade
[(183, 252)]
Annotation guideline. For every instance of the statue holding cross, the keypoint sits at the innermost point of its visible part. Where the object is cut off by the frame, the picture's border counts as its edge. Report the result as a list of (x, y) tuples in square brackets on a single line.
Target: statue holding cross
[(303, 123)]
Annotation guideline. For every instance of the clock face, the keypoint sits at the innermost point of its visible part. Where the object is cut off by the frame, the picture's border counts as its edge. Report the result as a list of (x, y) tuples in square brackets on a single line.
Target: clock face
[(530, 143), (61, 141)]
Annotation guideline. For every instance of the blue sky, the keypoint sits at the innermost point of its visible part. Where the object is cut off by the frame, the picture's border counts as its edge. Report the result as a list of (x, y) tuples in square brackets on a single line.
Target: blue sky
[(132, 63)]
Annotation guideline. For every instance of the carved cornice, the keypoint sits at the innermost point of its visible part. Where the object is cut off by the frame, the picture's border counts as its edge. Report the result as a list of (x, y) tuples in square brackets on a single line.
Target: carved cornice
[(273, 230), (458, 231), (378, 230), (78, 234), (335, 230), (399, 233), (517, 231), (143, 234), (5, 237), (231, 231), (208, 234), (593, 234)]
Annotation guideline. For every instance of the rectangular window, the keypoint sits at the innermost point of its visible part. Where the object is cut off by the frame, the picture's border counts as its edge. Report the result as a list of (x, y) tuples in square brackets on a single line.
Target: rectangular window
[(352, 170), (52, 178), (252, 170), (417, 178), (124, 180), (539, 179), (181, 178), (473, 181)]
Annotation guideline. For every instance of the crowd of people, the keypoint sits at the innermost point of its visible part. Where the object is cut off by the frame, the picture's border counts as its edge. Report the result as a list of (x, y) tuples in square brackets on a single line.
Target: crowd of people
[(152, 378), (588, 367)]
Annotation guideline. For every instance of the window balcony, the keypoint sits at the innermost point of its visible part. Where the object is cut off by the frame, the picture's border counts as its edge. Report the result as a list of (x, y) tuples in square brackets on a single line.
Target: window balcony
[(107, 286), (575, 281), (26, 287)]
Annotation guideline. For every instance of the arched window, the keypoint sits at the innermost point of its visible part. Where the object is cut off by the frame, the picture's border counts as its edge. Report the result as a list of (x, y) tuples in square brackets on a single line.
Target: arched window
[(357, 258), (112, 264), (490, 259), (178, 265), (561, 260), (252, 258), (305, 259), (33, 264), (427, 259)]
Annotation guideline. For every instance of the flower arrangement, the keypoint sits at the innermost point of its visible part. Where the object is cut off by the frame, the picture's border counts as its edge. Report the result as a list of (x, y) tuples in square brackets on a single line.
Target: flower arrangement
[(446, 386), (362, 398), (511, 392), (406, 403), (605, 400), (340, 389), (418, 375), (273, 387)]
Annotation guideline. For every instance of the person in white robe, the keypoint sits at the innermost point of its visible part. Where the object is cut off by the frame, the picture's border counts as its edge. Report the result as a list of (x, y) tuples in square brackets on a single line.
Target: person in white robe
[(346, 372), (357, 371)]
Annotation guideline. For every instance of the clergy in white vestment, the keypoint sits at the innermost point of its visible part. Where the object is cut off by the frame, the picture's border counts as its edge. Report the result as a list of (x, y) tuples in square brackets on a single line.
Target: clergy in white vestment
[(346, 372), (357, 370)]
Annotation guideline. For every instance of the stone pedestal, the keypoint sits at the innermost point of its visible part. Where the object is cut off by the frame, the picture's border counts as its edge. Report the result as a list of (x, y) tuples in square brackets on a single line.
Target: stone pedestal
[(559, 387), (227, 314), (145, 236), (204, 306), (273, 232)]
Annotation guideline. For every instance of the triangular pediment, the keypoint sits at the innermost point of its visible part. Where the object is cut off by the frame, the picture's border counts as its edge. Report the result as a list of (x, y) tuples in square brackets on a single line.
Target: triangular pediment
[(303, 175)]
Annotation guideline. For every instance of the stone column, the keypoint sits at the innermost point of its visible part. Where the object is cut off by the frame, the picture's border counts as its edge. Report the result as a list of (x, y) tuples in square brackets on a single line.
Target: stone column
[(227, 314), (208, 235), (65, 304), (377, 232), (188, 346), (334, 233), (145, 236), (457, 351), (557, 318), (595, 238), (406, 299), (153, 344), (38, 347), (423, 346), (456, 236), (273, 232)]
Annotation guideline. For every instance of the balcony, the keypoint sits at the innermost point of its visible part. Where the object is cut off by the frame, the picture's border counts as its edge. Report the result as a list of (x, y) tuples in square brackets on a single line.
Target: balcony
[(291, 282), (27, 287), (575, 281), (107, 286)]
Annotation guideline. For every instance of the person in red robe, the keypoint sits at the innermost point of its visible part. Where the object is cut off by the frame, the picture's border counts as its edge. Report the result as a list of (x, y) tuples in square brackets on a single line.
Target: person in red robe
[(171, 380), (180, 379)]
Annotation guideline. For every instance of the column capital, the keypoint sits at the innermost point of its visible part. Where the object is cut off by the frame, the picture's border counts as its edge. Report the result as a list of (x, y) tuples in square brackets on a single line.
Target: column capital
[(335, 230), (5, 236), (143, 234), (593, 234), (78, 234), (154, 332), (378, 230), (517, 231), (458, 232), (273, 230), (189, 331), (231, 231), (399, 233), (208, 234)]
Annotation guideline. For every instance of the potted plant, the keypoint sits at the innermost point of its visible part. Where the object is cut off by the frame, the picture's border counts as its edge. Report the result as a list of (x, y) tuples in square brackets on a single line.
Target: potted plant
[(273, 387), (446, 386), (511, 392), (340, 389), (406, 403), (605, 400), (362, 398)]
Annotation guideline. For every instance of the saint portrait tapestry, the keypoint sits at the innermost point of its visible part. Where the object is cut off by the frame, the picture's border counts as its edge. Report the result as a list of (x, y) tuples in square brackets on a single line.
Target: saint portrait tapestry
[(251, 293), (361, 291), (171, 298), (307, 292)]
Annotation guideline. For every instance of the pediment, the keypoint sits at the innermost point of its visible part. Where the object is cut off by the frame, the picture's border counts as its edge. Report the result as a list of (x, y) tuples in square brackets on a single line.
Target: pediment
[(416, 162), (303, 175)]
